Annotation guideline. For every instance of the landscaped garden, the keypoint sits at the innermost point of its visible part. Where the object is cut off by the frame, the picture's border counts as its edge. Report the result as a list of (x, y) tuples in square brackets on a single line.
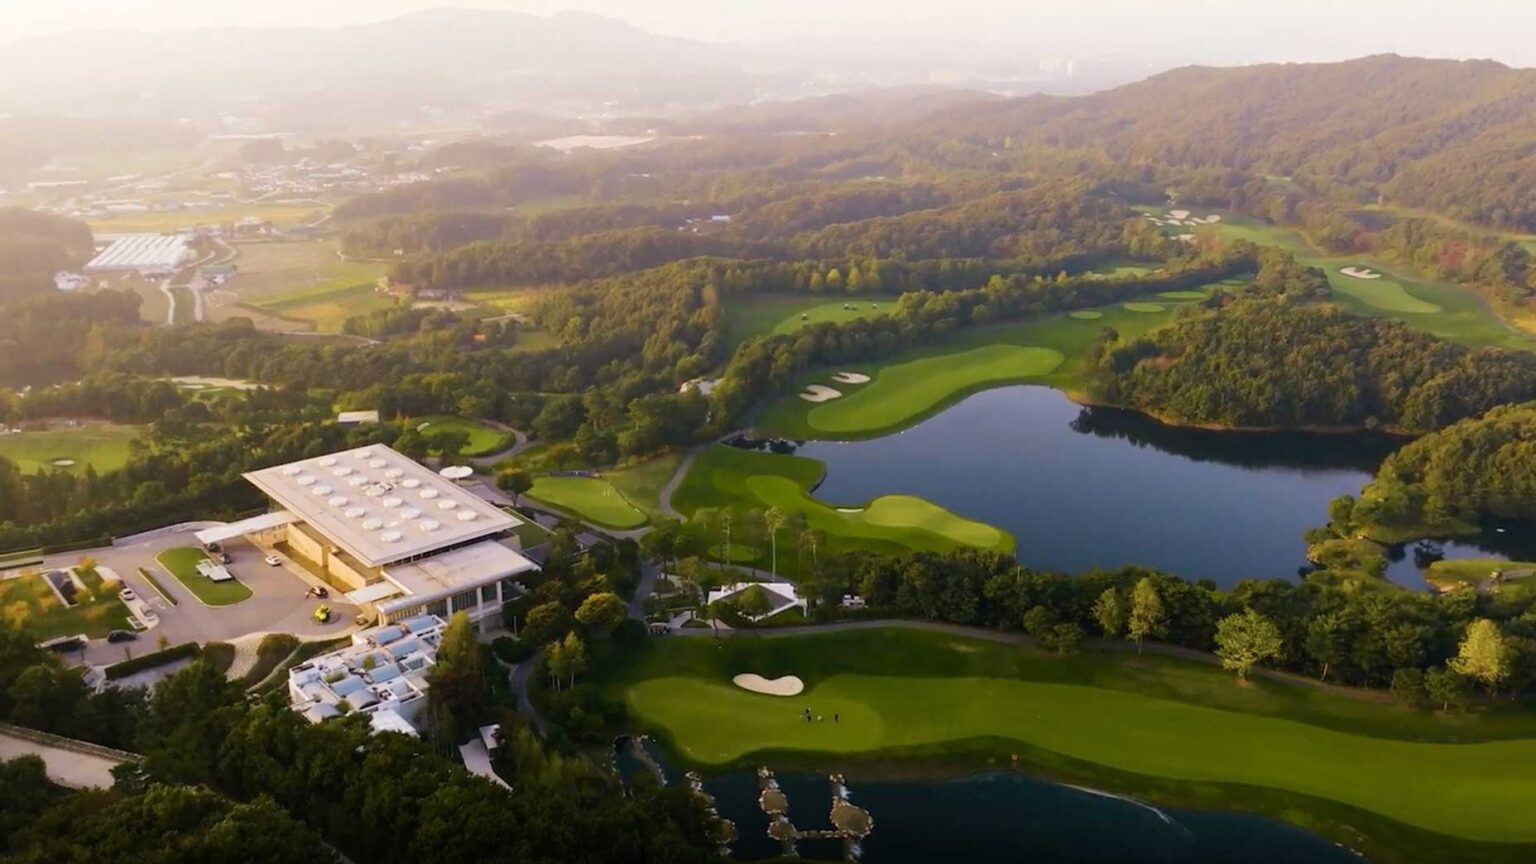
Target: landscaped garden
[(182, 563), (29, 602), (738, 479), (1144, 720), (590, 498)]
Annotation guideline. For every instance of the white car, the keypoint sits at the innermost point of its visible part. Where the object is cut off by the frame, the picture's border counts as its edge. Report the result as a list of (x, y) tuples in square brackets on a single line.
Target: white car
[(274, 561), (127, 595)]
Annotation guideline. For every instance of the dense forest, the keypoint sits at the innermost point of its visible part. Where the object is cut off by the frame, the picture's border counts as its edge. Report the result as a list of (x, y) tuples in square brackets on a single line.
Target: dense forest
[(34, 246), (1482, 466), (1265, 364)]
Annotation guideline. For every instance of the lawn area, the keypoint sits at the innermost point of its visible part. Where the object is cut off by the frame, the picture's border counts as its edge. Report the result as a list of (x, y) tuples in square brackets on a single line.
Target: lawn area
[(724, 476), (1155, 716), (1439, 308), (1471, 571), (1065, 339), (102, 446), (591, 498), (484, 439), (641, 483), (28, 601), (182, 563), (751, 315)]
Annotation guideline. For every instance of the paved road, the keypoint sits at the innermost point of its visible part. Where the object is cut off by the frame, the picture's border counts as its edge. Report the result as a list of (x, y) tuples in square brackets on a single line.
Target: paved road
[(519, 679), (665, 502), (170, 298), (521, 443), (65, 767)]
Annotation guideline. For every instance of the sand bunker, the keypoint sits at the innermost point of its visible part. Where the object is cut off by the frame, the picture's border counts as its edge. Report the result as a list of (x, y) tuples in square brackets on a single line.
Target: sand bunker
[(1213, 219), (789, 685), (820, 393), (1360, 272), (850, 509), (1179, 214), (1187, 238), (63, 463), (851, 378)]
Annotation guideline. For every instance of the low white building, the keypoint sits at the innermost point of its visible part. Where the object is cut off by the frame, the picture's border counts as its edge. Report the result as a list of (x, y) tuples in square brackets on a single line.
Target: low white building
[(781, 596), (142, 253), (382, 674)]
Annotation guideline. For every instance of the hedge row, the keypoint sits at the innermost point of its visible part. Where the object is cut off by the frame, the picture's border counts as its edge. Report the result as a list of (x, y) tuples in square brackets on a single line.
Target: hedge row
[(183, 651)]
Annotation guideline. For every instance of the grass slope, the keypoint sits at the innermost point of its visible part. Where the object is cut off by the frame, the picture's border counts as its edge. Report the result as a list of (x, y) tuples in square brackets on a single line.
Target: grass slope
[(182, 562), (591, 498), (754, 315), (903, 391), (1157, 716), (725, 476), (103, 447), (1070, 336)]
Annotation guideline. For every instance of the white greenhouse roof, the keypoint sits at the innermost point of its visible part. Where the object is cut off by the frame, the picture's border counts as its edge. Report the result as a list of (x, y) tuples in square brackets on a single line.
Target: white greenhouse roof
[(141, 252), (380, 506)]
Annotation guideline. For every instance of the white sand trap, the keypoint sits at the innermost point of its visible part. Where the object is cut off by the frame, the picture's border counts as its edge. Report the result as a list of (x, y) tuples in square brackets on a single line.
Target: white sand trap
[(789, 685), (850, 509), (1213, 218), (820, 393), (1179, 214), (851, 378), (1360, 272), (1187, 238), (63, 463)]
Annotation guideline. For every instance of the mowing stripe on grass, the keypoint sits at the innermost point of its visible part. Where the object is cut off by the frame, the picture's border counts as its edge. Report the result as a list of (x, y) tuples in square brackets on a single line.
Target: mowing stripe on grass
[(903, 391), (1478, 791)]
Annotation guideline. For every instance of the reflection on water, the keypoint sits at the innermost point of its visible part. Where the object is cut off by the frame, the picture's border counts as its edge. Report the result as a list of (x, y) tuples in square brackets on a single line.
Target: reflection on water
[(1081, 488)]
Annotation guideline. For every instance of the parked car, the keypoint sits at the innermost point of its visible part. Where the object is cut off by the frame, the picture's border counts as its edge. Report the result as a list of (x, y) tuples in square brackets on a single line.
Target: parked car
[(122, 636), (126, 595), (274, 561)]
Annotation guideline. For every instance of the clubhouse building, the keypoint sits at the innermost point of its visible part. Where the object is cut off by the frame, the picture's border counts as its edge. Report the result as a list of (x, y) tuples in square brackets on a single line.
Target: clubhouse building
[(399, 540)]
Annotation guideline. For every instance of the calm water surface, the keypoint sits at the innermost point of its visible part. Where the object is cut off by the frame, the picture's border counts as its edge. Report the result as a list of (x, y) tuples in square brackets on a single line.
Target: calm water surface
[(1099, 487)]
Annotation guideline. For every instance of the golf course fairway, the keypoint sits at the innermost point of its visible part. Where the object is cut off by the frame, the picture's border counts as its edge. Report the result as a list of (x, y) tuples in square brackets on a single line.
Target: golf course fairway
[(904, 391), (590, 498), (1118, 715)]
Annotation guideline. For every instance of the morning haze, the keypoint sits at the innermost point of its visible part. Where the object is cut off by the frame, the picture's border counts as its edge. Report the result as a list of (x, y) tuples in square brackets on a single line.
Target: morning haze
[(654, 433)]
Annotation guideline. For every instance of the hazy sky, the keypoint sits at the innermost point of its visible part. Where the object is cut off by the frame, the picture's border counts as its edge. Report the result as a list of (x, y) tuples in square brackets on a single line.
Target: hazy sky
[(1268, 29)]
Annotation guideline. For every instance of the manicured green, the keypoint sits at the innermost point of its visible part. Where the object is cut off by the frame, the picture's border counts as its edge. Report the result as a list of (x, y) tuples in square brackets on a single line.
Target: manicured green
[(1182, 295), (182, 562), (1473, 571), (1069, 335), (484, 439), (1145, 307), (1116, 268), (1154, 716), (1458, 314), (642, 482), (28, 602), (903, 391), (724, 476), (590, 498), (103, 447), (747, 316)]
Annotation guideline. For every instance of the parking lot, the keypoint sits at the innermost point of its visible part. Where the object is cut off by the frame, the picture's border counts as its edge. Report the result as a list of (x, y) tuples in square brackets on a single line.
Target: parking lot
[(277, 603)]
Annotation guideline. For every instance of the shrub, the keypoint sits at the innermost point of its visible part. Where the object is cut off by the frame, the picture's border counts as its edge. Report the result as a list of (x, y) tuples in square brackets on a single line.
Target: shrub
[(157, 658), (510, 649), (220, 655)]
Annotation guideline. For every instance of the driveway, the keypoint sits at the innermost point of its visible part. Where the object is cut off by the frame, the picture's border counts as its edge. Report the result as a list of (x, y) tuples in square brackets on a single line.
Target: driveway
[(277, 603)]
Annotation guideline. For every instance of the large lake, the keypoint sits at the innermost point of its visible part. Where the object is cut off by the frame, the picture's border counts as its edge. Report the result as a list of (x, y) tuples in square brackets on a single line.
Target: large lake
[(1099, 487)]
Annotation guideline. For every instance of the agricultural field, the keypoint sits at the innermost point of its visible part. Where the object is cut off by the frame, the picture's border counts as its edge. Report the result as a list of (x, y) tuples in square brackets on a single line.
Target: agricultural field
[(301, 281), (1439, 308), (28, 601), (590, 498), (730, 477), (182, 563), (281, 215), (104, 447), (484, 439), (750, 315), (906, 389), (1148, 720)]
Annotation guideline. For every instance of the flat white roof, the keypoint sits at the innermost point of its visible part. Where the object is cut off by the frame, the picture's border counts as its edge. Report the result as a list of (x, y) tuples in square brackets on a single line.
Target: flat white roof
[(141, 252), (264, 522), (380, 506), (451, 572)]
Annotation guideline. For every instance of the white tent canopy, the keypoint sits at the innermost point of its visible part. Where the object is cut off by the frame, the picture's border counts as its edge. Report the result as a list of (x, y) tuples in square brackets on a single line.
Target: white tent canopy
[(264, 522)]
